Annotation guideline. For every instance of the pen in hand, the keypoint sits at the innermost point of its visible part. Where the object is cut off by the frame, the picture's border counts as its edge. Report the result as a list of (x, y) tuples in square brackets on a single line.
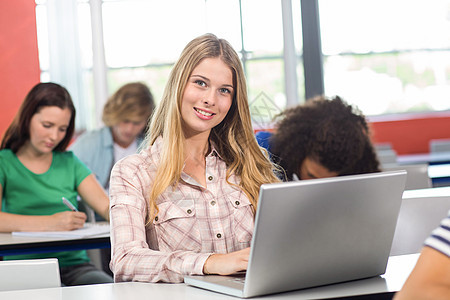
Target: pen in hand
[(69, 204)]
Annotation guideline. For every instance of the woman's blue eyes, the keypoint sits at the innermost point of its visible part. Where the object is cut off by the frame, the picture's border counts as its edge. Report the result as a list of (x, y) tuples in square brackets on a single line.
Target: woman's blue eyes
[(225, 91), (203, 84), (200, 82)]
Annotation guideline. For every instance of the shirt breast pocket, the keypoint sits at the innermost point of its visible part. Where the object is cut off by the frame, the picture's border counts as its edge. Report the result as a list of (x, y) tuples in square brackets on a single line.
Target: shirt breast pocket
[(243, 217), (176, 226)]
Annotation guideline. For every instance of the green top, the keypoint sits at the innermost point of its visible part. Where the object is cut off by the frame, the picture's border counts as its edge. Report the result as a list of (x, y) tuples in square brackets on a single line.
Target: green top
[(28, 193)]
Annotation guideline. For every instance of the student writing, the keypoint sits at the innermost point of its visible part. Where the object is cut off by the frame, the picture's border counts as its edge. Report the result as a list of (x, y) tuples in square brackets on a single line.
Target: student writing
[(36, 171)]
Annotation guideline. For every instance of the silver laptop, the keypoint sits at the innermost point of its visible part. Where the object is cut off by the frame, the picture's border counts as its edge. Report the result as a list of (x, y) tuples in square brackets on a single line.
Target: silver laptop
[(317, 232)]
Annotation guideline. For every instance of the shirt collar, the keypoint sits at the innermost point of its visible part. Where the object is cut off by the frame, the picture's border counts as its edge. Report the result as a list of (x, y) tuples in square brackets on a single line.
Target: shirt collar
[(214, 151), (156, 148)]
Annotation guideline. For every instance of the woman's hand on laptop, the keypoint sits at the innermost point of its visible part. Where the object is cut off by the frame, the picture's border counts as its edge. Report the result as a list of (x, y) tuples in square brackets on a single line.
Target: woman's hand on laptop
[(225, 264)]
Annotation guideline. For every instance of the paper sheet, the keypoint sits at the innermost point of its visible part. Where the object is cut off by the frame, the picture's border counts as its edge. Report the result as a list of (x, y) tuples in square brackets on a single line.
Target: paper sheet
[(89, 229)]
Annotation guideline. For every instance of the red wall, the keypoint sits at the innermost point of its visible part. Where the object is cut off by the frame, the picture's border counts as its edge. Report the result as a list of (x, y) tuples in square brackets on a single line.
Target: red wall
[(411, 134), (19, 61)]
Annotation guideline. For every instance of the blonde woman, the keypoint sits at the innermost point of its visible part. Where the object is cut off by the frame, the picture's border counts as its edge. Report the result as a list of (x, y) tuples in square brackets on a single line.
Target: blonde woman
[(185, 204)]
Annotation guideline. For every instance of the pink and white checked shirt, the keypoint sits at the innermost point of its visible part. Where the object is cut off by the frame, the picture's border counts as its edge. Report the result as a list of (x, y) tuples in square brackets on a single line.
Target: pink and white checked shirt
[(193, 222)]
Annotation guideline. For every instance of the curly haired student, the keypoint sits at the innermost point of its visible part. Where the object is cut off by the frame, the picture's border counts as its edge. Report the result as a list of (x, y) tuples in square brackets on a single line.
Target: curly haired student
[(322, 138)]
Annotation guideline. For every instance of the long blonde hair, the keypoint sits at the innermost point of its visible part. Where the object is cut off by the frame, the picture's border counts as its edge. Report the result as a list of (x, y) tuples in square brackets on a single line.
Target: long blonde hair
[(233, 137)]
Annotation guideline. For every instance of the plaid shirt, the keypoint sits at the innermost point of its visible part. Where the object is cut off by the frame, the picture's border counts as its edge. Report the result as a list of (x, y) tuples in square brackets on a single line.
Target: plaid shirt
[(193, 222)]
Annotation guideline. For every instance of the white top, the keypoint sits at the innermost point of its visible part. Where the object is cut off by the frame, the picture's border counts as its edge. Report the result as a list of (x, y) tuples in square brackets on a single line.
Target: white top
[(120, 152)]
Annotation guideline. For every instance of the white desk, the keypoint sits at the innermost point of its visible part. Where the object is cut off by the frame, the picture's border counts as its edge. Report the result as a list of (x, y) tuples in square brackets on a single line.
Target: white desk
[(443, 191), (399, 267)]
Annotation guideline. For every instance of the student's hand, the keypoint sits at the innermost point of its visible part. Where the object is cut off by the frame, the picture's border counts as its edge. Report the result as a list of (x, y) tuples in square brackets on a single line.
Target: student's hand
[(225, 264), (67, 220)]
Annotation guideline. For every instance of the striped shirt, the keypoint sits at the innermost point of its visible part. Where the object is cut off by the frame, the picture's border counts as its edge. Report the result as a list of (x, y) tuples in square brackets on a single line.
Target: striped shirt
[(193, 222), (440, 237)]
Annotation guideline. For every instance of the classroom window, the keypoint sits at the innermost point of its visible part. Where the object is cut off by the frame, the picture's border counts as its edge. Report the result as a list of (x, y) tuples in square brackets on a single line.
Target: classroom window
[(384, 56), (142, 39), (387, 56)]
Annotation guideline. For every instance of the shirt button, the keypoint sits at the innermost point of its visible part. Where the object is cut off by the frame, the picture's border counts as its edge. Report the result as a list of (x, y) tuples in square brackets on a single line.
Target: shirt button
[(210, 178), (189, 211), (237, 202), (213, 203), (156, 218), (219, 235)]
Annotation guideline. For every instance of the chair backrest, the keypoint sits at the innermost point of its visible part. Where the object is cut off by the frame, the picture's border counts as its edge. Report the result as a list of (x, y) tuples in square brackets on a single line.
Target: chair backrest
[(29, 274), (84, 207), (262, 137), (419, 215), (383, 146), (387, 156), (417, 177), (440, 145)]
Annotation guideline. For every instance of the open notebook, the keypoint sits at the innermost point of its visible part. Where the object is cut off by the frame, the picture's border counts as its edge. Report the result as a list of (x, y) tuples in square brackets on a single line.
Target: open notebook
[(89, 229)]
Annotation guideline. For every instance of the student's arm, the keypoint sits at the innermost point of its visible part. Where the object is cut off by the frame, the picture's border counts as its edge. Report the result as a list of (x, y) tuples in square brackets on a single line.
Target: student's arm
[(67, 220), (430, 278), (92, 192)]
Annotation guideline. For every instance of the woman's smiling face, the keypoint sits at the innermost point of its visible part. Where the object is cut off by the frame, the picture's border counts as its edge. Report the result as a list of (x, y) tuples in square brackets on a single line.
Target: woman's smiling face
[(207, 97)]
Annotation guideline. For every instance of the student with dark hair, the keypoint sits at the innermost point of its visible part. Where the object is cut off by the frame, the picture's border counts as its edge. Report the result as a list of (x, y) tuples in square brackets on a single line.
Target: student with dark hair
[(36, 172), (321, 138)]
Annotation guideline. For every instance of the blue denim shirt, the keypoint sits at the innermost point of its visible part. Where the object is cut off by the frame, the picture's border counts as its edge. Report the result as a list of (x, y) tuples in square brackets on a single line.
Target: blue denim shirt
[(96, 150)]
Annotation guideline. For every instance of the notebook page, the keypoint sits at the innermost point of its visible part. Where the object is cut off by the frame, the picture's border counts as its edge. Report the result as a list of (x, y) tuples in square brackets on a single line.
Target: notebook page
[(89, 229)]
